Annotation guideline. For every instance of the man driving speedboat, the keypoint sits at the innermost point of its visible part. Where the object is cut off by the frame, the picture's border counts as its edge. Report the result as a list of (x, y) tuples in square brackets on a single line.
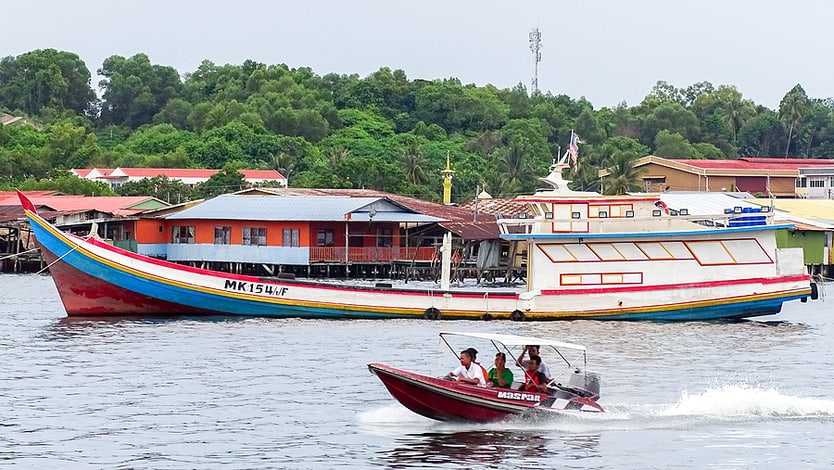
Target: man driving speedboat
[(468, 372)]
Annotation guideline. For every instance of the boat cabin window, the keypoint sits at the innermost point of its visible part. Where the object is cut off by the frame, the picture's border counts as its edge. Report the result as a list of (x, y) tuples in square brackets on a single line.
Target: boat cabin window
[(222, 235), (254, 236), (183, 234)]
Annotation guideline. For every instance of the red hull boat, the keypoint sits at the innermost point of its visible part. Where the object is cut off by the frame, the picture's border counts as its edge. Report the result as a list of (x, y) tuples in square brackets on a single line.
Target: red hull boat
[(448, 400)]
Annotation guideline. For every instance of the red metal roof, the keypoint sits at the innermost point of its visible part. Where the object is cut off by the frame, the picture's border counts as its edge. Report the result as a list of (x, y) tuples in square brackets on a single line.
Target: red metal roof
[(195, 173), (757, 164), (803, 161), (178, 173), (116, 205)]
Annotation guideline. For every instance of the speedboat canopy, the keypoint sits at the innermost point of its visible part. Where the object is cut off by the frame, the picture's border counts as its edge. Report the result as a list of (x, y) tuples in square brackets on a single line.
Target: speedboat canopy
[(514, 340)]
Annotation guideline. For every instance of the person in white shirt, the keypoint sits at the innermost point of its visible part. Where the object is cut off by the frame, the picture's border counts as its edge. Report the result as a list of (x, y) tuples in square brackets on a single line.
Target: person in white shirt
[(534, 351), (468, 372)]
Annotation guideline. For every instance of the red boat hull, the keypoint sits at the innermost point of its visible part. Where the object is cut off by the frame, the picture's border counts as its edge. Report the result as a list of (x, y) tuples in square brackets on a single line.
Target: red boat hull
[(446, 400), (84, 295)]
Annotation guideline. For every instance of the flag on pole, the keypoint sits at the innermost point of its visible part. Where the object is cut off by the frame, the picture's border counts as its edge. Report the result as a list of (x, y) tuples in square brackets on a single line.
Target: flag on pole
[(573, 147)]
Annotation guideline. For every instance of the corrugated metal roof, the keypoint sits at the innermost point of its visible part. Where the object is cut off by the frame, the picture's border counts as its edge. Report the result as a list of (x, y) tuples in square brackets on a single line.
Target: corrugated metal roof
[(505, 207), (299, 208), (819, 210), (487, 230), (434, 209), (703, 203)]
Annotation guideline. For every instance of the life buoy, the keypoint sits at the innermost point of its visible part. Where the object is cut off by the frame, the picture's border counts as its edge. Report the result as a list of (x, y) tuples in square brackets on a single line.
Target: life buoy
[(432, 313), (517, 315)]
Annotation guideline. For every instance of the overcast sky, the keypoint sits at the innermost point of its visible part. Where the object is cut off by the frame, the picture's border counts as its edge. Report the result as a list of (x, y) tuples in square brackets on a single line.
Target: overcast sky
[(608, 51)]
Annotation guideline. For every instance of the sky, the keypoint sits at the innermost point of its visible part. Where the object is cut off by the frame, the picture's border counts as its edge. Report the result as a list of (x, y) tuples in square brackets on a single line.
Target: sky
[(608, 51)]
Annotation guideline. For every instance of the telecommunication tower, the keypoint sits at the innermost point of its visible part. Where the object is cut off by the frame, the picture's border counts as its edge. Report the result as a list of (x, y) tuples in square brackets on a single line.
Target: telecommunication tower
[(535, 48)]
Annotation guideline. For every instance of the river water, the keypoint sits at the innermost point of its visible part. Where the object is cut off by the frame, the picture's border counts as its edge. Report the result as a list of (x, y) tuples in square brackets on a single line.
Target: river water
[(264, 393)]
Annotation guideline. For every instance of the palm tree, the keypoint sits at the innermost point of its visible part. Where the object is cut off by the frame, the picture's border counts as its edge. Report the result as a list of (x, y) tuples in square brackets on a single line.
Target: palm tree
[(734, 112), (791, 110), (413, 161), (623, 177), (512, 163), (335, 155), (284, 163)]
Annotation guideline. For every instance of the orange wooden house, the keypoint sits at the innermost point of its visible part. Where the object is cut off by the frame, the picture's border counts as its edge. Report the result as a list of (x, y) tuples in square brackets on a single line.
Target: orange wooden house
[(283, 231)]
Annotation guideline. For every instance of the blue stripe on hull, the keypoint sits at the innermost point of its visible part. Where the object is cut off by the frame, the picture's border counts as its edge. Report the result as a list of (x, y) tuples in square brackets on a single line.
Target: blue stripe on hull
[(715, 312)]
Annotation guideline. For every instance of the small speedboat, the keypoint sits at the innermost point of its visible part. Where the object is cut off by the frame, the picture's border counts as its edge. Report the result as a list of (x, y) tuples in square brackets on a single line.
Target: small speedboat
[(573, 388)]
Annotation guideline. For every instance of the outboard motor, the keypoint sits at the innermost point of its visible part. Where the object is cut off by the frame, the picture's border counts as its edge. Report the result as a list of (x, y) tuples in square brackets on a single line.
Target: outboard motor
[(586, 380)]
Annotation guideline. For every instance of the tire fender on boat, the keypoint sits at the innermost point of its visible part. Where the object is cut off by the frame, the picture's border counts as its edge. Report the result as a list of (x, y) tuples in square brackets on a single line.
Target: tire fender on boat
[(517, 315), (432, 313), (486, 316), (815, 293)]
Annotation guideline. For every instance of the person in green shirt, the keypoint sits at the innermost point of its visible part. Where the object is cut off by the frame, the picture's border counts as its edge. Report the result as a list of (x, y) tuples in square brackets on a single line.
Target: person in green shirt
[(500, 376)]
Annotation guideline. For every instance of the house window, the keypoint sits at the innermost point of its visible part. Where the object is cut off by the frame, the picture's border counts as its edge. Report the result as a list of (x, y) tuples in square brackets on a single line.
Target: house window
[(291, 237), (654, 183), (384, 237), (254, 236), (831, 182), (222, 235), (324, 238), (183, 234), (357, 237), (802, 182), (816, 183)]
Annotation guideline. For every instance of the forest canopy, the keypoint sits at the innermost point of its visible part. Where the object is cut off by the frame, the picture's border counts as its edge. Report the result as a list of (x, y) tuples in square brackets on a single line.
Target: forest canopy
[(383, 131)]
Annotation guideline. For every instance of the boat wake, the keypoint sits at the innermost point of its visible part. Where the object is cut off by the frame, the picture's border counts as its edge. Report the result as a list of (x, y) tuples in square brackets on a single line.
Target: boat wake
[(742, 401), (735, 403)]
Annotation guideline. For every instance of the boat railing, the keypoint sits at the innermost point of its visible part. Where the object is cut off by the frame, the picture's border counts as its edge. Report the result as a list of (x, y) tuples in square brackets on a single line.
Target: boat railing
[(665, 221)]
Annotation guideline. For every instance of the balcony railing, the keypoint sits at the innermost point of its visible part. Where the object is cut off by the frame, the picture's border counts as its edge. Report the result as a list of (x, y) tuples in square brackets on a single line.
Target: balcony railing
[(370, 254)]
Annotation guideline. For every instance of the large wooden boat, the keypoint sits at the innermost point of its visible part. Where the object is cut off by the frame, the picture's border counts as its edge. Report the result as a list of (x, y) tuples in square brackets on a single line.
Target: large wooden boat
[(587, 256)]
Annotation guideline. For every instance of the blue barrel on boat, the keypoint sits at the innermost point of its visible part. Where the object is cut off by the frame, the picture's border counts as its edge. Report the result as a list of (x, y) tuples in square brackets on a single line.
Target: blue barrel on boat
[(748, 221)]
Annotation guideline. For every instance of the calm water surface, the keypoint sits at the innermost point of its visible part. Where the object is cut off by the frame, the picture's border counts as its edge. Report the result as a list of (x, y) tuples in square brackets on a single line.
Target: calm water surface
[(261, 393)]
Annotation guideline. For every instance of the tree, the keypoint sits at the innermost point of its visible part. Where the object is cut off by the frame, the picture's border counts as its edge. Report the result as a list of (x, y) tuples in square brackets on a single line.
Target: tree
[(673, 145), (672, 117), (67, 183), (791, 109), (71, 146), (227, 180), (135, 90), (46, 78), (762, 135), (160, 187), (817, 116), (413, 161), (159, 139), (622, 176)]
